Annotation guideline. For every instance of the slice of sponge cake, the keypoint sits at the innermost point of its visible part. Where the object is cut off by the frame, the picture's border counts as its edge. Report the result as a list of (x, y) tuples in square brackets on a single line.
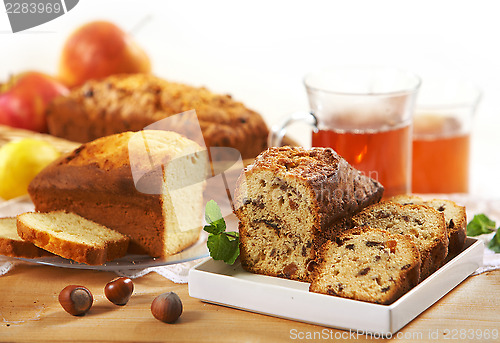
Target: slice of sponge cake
[(71, 236), (14, 246)]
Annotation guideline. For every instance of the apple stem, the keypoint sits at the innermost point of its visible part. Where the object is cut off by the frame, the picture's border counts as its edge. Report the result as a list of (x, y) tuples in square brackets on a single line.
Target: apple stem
[(140, 24)]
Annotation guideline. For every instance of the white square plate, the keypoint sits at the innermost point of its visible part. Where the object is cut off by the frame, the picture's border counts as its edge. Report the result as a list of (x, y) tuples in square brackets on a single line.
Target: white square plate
[(219, 283)]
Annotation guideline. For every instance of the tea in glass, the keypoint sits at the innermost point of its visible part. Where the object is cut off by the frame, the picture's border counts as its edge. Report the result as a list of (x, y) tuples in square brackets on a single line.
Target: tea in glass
[(365, 115), (442, 136)]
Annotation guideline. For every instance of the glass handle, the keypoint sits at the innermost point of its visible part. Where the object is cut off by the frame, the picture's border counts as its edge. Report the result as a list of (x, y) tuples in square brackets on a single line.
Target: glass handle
[(278, 131)]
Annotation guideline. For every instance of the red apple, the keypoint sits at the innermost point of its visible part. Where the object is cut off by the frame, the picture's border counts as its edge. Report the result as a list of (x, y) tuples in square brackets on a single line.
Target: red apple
[(24, 99), (99, 49)]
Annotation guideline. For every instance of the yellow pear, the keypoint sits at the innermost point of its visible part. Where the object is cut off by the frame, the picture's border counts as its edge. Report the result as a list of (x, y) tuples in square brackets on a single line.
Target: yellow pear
[(20, 162)]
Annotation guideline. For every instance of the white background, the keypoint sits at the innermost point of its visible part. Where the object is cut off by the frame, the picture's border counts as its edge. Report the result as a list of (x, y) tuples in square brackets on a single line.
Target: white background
[(258, 51)]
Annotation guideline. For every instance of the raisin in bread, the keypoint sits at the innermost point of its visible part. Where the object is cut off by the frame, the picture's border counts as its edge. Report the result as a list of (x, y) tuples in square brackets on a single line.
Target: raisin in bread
[(14, 246), (287, 202), (132, 102), (72, 236), (423, 224), (367, 264), (147, 185), (455, 218)]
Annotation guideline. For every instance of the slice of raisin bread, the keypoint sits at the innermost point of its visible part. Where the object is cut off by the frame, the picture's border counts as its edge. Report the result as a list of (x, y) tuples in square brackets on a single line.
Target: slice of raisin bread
[(423, 224), (286, 202), (72, 236), (367, 264), (455, 218), (14, 246)]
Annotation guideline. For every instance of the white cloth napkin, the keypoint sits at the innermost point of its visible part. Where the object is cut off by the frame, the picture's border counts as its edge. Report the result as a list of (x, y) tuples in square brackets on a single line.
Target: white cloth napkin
[(178, 273)]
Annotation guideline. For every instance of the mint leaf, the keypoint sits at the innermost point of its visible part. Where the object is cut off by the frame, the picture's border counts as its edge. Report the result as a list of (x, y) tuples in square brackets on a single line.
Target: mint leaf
[(213, 216), (222, 245), (479, 225), (494, 244)]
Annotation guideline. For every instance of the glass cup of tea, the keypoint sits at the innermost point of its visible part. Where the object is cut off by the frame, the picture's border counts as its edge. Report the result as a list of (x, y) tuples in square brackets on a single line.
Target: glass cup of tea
[(365, 114), (441, 135)]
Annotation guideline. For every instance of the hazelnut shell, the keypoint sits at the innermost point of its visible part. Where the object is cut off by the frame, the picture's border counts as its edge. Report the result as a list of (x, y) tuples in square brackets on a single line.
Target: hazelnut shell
[(167, 307), (76, 300), (119, 290)]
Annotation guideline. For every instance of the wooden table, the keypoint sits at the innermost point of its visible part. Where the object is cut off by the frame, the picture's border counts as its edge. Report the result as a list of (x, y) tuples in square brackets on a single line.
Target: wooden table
[(30, 311)]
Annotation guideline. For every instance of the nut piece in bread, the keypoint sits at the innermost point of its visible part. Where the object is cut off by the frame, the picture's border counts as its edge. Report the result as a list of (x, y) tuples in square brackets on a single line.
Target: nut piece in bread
[(131, 102), (287, 202), (72, 236), (367, 264), (147, 185)]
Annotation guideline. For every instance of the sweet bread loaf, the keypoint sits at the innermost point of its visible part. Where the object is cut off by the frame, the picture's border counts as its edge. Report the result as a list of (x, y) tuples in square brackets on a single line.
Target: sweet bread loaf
[(287, 202), (367, 264), (71, 236), (424, 225), (14, 246), (147, 185), (131, 102), (455, 218)]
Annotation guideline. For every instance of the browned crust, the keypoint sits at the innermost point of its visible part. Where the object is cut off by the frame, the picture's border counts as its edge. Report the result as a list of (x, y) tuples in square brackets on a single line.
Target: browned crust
[(406, 280), (457, 238), (17, 247), (95, 181), (131, 102), (456, 228), (339, 191), (75, 251), (24, 249)]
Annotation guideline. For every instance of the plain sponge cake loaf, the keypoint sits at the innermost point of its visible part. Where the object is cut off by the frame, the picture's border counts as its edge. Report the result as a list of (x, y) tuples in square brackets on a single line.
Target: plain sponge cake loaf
[(14, 246), (455, 218), (287, 201), (424, 225), (71, 236), (367, 264), (147, 185)]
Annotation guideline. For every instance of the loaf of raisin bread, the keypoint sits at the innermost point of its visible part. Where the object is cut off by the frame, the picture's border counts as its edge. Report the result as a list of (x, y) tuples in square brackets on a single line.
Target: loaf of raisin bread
[(131, 102), (423, 224), (147, 185), (287, 202), (367, 264), (71, 236), (14, 246), (455, 218)]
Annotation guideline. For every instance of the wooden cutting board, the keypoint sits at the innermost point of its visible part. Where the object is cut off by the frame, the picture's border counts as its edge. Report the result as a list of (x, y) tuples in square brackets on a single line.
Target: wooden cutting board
[(9, 134)]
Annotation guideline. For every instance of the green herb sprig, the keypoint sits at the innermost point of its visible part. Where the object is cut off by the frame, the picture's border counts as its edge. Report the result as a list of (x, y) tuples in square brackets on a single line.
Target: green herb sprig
[(494, 244), (222, 245), (480, 225)]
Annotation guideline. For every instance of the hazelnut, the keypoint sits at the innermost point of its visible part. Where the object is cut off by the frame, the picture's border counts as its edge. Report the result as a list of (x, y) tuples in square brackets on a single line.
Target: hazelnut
[(119, 290), (167, 307), (76, 300)]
